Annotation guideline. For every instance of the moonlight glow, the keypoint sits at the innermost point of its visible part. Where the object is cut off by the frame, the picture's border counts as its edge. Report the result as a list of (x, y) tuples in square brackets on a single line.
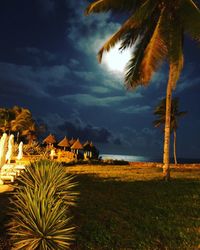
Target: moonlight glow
[(115, 60)]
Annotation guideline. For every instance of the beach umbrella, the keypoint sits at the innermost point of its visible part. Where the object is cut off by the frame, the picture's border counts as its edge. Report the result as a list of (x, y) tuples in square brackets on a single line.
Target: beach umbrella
[(64, 143), (20, 151), (3, 149), (9, 153), (50, 139), (77, 146)]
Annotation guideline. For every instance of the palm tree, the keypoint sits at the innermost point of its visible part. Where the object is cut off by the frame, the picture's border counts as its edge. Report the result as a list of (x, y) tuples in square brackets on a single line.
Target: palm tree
[(24, 124), (156, 29), (160, 112), (6, 117)]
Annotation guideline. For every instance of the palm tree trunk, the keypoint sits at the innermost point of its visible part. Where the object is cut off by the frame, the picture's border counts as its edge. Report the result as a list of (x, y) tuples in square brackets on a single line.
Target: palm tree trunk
[(175, 158), (166, 167)]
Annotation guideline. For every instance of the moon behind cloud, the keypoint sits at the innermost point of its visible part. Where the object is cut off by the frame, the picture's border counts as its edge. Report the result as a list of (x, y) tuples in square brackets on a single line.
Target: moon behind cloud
[(115, 60)]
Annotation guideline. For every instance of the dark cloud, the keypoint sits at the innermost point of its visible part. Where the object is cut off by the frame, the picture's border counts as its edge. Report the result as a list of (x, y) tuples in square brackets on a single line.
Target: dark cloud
[(48, 64), (33, 80), (36, 57), (88, 132)]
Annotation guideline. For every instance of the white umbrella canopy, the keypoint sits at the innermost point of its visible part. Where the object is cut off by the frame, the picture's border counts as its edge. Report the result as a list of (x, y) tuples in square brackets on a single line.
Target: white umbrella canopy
[(3, 149), (20, 151), (9, 153)]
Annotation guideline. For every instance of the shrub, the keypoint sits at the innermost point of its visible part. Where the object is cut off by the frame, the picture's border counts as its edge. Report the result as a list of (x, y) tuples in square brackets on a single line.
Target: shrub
[(40, 216), (33, 148)]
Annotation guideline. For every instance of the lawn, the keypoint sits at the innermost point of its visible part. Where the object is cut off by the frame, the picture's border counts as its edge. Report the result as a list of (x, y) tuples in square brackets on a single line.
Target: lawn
[(130, 207)]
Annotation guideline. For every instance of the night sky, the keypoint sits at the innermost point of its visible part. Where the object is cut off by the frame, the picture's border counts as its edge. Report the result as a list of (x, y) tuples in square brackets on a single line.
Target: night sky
[(48, 64)]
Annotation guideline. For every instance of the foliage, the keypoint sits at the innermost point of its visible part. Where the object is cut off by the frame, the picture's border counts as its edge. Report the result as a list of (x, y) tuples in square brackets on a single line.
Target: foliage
[(160, 112), (57, 179), (19, 120), (40, 216), (155, 29), (33, 148), (6, 116)]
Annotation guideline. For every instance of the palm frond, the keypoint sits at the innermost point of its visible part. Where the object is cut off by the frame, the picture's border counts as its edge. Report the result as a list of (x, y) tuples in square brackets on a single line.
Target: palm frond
[(158, 123), (190, 15), (133, 76), (173, 32), (113, 41), (175, 70), (160, 112), (155, 52), (116, 5), (134, 22), (129, 38)]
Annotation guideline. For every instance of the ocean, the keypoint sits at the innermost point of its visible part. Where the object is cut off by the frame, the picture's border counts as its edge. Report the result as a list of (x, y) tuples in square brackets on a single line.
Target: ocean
[(134, 158), (130, 158)]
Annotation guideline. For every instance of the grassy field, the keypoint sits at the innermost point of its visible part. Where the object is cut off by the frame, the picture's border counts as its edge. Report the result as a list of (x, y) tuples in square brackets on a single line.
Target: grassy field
[(130, 207)]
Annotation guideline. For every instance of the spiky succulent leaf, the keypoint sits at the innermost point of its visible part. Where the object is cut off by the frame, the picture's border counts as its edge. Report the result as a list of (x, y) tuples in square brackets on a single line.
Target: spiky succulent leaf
[(40, 213), (50, 174)]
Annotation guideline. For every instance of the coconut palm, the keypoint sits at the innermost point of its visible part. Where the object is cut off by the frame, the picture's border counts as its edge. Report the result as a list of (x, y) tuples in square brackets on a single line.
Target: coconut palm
[(155, 28), (24, 124), (6, 117), (160, 112)]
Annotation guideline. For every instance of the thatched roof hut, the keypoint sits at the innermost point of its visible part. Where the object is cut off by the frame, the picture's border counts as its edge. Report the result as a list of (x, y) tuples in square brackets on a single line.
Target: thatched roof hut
[(64, 143), (77, 145), (72, 141), (87, 146), (50, 139)]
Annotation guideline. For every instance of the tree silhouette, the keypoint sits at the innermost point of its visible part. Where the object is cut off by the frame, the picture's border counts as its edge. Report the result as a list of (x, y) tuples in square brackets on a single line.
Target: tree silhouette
[(160, 112)]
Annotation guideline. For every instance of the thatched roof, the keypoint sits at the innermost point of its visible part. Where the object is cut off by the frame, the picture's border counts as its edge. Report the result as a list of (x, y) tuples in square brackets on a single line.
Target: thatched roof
[(77, 145), (50, 139), (64, 143), (71, 142), (87, 146)]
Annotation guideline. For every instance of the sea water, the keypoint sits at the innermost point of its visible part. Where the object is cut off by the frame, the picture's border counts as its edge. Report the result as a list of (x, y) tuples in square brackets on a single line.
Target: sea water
[(134, 158), (130, 158)]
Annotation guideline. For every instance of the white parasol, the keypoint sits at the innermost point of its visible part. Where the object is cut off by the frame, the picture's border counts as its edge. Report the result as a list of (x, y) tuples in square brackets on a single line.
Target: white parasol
[(20, 151), (3, 149), (10, 148)]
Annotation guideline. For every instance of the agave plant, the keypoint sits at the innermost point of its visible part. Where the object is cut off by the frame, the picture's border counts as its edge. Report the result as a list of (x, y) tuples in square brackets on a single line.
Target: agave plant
[(50, 175), (40, 215)]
